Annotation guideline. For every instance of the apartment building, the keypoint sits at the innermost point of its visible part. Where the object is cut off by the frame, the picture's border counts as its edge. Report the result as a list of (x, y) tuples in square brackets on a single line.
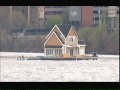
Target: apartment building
[(54, 10), (79, 16), (113, 12), (44, 12), (97, 14), (87, 16)]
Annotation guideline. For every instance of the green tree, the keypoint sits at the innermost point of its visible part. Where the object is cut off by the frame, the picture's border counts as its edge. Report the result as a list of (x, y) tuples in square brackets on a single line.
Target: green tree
[(3, 40), (100, 34), (112, 46), (4, 20), (54, 20), (86, 34), (65, 16), (18, 19), (117, 22)]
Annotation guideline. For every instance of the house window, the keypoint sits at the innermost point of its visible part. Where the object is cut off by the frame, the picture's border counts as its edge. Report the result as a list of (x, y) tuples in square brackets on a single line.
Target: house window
[(77, 50), (95, 12), (117, 12), (53, 51), (49, 52), (60, 51), (46, 52), (71, 39), (96, 18), (56, 51)]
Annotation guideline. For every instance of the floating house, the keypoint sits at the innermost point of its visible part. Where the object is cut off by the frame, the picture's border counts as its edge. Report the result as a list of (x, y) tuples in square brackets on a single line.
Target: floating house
[(63, 40)]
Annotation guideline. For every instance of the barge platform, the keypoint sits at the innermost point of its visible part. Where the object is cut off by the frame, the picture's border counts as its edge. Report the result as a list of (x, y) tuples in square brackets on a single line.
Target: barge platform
[(63, 58)]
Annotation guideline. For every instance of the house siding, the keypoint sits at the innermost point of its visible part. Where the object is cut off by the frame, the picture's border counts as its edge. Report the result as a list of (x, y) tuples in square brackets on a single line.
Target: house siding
[(87, 16), (82, 50), (53, 41), (72, 32), (75, 41)]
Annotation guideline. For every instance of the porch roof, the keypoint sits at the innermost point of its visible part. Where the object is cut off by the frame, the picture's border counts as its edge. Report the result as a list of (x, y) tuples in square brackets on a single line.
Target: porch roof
[(53, 46), (81, 42), (64, 29)]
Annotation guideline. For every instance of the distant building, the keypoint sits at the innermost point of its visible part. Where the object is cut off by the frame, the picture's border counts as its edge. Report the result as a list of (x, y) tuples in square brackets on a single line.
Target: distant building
[(75, 15), (87, 16), (54, 10), (97, 14), (79, 16), (32, 16), (113, 12)]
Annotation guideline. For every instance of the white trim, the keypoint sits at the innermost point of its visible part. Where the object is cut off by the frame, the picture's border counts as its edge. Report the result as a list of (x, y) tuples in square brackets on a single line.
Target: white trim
[(53, 29), (51, 36), (80, 45), (74, 31), (64, 45), (45, 51)]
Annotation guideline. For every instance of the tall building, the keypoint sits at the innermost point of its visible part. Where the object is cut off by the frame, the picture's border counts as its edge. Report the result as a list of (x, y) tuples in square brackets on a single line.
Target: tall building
[(44, 12), (97, 14), (113, 12), (79, 16), (87, 16), (75, 16), (54, 10)]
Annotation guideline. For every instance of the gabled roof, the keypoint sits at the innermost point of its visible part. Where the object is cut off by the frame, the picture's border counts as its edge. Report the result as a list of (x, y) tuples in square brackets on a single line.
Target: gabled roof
[(51, 36), (52, 30), (64, 29), (73, 29), (81, 42), (59, 37)]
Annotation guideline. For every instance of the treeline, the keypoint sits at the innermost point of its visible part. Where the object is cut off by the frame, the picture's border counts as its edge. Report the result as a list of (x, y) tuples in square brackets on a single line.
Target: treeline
[(96, 39), (21, 44), (100, 40)]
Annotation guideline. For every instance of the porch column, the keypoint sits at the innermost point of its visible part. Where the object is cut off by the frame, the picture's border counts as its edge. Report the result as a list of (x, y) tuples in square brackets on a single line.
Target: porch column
[(65, 50), (79, 50), (53, 51), (45, 51)]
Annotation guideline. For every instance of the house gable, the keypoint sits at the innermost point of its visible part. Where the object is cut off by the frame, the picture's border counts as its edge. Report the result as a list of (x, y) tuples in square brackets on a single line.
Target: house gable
[(53, 40), (72, 37), (55, 29), (72, 32)]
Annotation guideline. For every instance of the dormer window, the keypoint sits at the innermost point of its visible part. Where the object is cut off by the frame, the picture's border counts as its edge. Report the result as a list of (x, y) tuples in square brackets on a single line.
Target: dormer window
[(71, 39)]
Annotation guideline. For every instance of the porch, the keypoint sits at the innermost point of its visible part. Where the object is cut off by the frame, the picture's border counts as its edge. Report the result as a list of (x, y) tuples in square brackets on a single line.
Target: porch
[(74, 50)]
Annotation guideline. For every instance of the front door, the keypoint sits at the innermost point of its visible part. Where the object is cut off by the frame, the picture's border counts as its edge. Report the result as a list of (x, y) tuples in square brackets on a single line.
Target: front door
[(71, 52)]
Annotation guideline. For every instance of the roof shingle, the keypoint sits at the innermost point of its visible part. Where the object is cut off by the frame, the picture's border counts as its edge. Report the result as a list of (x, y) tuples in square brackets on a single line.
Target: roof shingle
[(64, 29)]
